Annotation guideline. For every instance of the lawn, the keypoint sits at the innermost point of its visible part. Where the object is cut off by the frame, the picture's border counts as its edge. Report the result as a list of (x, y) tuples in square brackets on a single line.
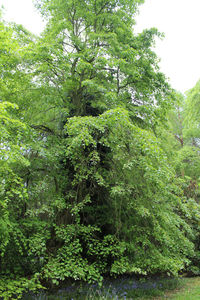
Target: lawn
[(190, 291)]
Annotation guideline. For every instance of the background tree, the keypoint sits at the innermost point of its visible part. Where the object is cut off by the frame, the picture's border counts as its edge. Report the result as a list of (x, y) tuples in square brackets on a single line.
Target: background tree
[(180, 142)]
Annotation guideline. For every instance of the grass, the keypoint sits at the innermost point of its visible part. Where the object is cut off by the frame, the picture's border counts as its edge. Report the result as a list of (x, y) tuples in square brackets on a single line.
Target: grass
[(190, 291)]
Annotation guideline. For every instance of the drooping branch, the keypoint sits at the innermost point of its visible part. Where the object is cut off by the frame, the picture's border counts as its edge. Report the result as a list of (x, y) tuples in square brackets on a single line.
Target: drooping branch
[(43, 128)]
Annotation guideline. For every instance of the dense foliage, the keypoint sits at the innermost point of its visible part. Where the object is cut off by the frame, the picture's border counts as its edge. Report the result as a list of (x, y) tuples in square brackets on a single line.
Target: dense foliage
[(99, 168)]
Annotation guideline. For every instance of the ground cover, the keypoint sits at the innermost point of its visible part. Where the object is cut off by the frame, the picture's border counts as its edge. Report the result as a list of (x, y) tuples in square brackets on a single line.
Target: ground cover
[(189, 291), (116, 289)]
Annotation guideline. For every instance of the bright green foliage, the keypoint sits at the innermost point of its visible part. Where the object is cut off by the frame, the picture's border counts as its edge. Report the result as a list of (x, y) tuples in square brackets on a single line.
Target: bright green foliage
[(193, 104), (91, 61), (14, 80), (14, 288), (139, 207), (191, 132), (190, 164), (87, 189), (182, 146), (12, 194)]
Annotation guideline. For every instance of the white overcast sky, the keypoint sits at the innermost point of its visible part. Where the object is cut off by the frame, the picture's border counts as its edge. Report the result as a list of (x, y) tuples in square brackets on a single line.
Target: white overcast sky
[(178, 19)]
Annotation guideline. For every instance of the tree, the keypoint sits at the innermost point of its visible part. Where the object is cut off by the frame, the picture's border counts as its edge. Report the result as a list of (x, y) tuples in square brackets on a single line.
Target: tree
[(102, 197), (13, 196), (92, 57), (180, 140)]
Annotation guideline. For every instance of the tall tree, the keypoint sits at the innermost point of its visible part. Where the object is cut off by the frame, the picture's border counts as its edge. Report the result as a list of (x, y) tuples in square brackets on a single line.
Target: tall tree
[(97, 63), (102, 197)]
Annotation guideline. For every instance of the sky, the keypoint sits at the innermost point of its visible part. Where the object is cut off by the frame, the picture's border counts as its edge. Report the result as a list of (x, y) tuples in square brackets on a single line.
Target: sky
[(179, 20), (179, 51)]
